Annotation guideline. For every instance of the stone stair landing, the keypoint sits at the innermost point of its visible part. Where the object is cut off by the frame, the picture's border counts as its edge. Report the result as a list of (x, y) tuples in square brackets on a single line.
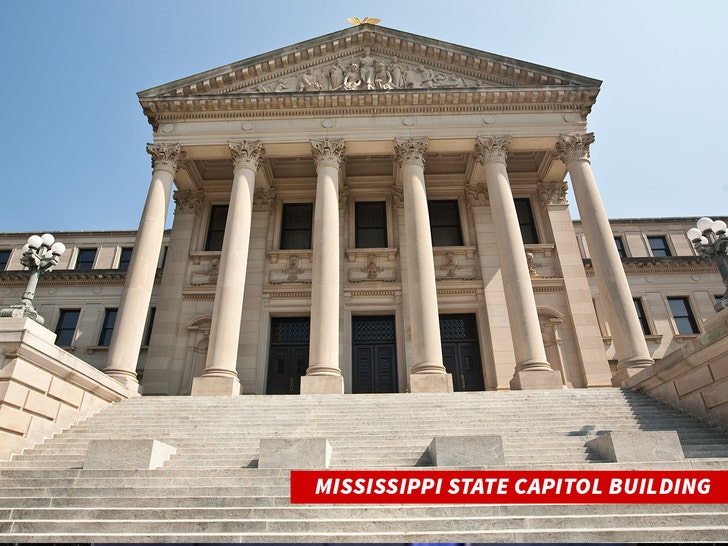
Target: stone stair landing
[(211, 489)]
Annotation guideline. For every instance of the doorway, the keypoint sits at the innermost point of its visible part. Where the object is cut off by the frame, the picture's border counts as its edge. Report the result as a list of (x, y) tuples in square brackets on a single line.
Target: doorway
[(288, 354), (374, 355), (461, 351)]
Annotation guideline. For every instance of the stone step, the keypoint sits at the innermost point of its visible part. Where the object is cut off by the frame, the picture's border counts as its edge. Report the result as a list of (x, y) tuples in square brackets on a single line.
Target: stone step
[(381, 525)]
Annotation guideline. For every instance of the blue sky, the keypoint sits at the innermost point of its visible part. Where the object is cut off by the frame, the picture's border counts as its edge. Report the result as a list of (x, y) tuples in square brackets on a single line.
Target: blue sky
[(73, 135)]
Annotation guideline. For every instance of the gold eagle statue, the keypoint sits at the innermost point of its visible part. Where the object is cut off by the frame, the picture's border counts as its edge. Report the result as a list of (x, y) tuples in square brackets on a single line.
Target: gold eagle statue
[(366, 21)]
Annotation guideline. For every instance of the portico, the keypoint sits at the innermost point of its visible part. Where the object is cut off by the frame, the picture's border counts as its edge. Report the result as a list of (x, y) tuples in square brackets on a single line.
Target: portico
[(338, 229)]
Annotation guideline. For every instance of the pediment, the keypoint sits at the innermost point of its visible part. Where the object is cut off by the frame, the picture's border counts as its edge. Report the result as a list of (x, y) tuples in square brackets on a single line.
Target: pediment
[(367, 58)]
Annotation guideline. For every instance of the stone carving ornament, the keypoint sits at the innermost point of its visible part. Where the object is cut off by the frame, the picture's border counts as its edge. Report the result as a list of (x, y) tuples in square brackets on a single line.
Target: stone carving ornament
[(553, 193), (188, 200), (167, 157), (366, 72)]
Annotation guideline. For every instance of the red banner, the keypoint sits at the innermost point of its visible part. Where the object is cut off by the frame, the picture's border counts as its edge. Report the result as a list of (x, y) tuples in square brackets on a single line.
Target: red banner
[(509, 487)]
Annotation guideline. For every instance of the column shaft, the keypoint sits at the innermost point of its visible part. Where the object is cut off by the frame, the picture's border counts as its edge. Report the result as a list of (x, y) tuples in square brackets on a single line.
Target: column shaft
[(532, 368), (128, 332), (324, 375), (630, 345), (428, 373), (220, 376)]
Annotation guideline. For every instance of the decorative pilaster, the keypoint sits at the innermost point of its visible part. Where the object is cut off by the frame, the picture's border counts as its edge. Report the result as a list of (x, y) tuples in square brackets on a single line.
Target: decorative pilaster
[(476, 195), (263, 199), (324, 375), (129, 329), (428, 373), (220, 376), (629, 342), (532, 369)]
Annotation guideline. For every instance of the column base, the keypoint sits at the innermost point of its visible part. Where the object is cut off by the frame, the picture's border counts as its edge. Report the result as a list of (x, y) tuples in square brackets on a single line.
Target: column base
[(536, 379), (430, 382), (129, 380), (322, 384), (215, 386), (628, 368)]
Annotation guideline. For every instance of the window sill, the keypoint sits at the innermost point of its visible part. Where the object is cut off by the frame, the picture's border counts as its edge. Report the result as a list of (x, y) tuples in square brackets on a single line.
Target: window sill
[(685, 337)]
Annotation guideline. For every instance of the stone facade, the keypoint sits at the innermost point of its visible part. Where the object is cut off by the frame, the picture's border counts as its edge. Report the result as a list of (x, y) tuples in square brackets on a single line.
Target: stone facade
[(374, 211)]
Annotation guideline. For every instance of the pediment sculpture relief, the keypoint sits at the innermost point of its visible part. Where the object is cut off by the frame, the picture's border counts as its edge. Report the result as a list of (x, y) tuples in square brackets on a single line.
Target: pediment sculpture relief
[(366, 72)]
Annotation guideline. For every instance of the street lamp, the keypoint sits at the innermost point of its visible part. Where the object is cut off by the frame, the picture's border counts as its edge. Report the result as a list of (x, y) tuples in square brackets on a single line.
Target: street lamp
[(40, 254), (710, 240)]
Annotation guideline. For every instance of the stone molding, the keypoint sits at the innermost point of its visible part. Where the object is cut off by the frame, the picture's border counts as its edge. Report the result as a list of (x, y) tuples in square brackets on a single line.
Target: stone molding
[(188, 200), (398, 196), (246, 154), (552, 193), (328, 152), (490, 149), (573, 147), (168, 157), (410, 150)]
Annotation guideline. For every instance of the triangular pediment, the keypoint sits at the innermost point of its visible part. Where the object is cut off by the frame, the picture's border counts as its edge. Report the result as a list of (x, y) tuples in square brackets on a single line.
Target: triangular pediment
[(368, 69), (367, 58)]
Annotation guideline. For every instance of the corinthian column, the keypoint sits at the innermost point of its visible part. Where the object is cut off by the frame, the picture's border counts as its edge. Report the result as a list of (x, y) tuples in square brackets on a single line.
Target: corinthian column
[(129, 329), (324, 375), (629, 342), (219, 378), (532, 369), (428, 373)]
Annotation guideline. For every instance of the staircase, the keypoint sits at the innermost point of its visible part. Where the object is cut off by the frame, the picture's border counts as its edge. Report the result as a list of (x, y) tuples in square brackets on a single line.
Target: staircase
[(212, 491)]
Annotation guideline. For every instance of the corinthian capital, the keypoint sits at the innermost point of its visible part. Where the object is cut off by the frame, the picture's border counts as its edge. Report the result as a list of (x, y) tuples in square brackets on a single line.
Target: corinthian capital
[(188, 200), (573, 147), (489, 149), (410, 150), (328, 152), (247, 154), (166, 156)]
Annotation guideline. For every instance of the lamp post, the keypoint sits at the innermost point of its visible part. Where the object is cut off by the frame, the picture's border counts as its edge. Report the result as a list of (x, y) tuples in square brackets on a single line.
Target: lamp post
[(40, 254), (710, 240)]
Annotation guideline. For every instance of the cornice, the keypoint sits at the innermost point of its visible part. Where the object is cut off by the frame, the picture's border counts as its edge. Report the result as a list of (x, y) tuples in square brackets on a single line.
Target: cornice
[(665, 265), (369, 103), (71, 277)]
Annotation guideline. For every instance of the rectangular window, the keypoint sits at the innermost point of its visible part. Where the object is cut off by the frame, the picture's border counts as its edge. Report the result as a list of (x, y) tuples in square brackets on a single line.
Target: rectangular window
[(150, 324), (216, 227), (66, 327), (371, 225), (683, 316), (296, 226), (125, 257), (658, 246), (107, 327), (445, 223), (642, 317), (86, 258), (525, 220), (620, 247), (4, 259)]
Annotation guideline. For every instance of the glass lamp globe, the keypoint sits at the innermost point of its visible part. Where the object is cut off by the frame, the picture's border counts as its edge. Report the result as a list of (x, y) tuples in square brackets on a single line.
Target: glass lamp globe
[(34, 241), (694, 233), (718, 225), (47, 239), (704, 241), (705, 223), (58, 248)]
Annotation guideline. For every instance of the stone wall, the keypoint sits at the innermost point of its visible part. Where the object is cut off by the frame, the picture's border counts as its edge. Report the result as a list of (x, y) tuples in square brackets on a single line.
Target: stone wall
[(695, 376), (44, 389)]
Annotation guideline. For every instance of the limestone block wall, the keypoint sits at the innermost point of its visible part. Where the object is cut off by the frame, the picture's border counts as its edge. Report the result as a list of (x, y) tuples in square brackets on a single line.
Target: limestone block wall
[(693, 377), (44, 389)]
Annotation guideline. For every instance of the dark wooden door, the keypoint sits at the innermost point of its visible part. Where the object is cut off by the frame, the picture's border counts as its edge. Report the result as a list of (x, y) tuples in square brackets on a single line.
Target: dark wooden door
[(288, 354), (461, 351), (374, 355)]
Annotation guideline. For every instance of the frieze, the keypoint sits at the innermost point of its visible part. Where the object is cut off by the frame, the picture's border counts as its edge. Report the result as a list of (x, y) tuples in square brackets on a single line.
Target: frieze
[(365, 71)]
